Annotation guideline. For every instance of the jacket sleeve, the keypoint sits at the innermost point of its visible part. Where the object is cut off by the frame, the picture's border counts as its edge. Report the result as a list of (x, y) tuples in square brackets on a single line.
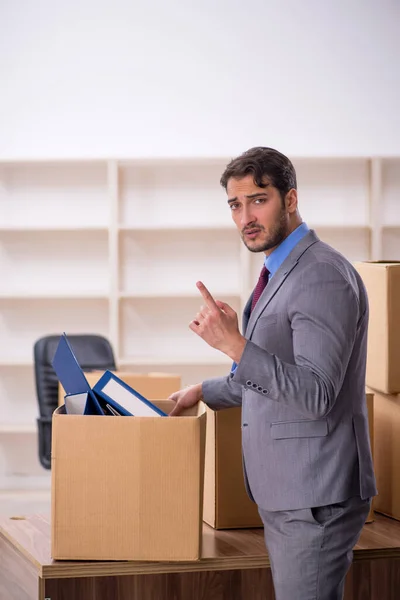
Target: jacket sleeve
[(222, 392), (324, 316)]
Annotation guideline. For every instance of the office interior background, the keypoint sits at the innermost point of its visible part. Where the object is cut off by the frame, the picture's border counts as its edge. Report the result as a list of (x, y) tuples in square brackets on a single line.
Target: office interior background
[(116, 122)]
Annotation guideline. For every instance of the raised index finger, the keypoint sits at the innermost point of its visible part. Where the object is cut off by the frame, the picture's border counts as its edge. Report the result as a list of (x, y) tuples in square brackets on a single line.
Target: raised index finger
[(207, 296)]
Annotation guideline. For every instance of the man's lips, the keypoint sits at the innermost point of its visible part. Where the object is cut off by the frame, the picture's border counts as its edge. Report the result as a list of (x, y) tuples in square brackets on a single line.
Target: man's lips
[(251, 232)]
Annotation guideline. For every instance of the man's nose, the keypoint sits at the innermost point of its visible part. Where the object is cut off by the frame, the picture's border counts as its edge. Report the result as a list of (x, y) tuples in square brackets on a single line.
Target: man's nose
[(247, 217)]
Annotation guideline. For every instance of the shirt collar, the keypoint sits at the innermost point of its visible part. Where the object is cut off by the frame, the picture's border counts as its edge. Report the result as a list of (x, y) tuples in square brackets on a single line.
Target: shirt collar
[(281, 252)]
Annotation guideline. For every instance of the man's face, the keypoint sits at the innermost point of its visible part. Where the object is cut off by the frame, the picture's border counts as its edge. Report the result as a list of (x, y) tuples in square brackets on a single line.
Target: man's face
[(258, 213)]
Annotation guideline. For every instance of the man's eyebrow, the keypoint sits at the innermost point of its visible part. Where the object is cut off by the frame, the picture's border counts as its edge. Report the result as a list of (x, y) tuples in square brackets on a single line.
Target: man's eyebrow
[(256, 195)]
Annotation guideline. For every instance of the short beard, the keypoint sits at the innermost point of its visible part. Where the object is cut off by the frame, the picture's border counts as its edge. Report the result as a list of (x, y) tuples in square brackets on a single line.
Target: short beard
[(277, 235)]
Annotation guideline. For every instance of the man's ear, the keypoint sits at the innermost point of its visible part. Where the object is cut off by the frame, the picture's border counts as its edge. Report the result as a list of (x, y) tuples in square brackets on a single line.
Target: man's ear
[(291, 201)]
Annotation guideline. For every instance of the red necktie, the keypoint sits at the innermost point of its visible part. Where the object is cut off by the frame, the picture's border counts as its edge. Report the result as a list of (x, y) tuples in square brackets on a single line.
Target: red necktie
[(258, 290)]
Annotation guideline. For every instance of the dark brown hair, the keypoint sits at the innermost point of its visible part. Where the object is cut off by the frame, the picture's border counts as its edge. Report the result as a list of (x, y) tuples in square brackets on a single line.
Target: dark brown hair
[(263, 162)]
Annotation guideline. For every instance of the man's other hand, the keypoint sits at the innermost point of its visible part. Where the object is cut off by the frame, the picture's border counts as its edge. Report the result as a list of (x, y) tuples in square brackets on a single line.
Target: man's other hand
[(185, 398)]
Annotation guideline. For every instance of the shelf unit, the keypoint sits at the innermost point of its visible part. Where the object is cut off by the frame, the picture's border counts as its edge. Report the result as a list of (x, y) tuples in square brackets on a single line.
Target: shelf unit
[(115, 247), (18, 429)]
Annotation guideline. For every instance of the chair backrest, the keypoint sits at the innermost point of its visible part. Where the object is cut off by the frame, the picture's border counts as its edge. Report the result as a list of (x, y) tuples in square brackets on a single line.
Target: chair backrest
[(93, 352)]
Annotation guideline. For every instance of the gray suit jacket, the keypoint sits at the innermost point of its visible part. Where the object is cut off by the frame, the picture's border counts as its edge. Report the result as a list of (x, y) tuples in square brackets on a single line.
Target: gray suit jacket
[(301, 384)]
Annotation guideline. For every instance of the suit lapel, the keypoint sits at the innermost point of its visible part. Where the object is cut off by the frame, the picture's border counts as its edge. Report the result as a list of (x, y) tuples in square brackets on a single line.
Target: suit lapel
[(246, 313), (275, 283)]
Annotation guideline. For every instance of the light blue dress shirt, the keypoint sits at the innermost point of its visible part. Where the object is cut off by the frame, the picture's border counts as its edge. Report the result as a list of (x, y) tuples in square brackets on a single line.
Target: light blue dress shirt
[(281, 252), (276, 258)]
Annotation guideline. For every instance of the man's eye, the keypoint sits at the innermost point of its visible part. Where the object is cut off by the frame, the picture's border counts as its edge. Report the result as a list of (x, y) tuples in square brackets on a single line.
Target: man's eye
[(234, 206), (259, 200)]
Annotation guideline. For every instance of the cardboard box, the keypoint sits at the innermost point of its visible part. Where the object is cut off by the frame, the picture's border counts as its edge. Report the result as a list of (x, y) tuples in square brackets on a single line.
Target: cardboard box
[(152, 386), (226, 503), (370, 408), (382, 280), (387, 453), (127, 488)]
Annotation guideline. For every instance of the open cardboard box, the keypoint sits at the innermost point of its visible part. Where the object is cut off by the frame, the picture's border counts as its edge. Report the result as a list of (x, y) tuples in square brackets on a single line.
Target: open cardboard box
[(128, 488)]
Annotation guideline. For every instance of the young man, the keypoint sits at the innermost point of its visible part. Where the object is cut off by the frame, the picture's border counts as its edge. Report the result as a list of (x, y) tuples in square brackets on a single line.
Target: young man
[(299, 375)]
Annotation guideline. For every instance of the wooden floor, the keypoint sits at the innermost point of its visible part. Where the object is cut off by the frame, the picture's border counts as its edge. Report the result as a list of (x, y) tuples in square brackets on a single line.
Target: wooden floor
[(234, 565)]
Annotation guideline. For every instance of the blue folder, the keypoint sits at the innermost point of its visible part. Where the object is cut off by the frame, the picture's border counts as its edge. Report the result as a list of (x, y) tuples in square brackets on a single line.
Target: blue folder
[(72, 378), (123, 395)]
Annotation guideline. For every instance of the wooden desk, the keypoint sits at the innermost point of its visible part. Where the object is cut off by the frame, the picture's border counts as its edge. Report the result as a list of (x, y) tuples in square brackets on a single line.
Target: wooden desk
[(234, 566)]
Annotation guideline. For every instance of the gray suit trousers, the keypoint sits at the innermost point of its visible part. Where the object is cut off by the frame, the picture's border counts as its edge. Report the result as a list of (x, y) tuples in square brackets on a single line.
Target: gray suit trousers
[(311, 549)]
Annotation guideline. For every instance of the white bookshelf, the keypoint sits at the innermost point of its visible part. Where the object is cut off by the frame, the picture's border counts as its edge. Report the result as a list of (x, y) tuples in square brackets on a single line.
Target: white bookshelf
[(18, 428), (168, 263), (391, 210), (24, 320), (54, 195), (116, 247)]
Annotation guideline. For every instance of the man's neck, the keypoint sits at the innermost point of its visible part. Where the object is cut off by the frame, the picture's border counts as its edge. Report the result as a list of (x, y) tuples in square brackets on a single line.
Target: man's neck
[(292, 228)]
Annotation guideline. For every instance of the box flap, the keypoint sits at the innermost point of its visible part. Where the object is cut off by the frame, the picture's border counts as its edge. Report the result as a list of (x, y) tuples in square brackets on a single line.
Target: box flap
[(210, 498), (379, 263)]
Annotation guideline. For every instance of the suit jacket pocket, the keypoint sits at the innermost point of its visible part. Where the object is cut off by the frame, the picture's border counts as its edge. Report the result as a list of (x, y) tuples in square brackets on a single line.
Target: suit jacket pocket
[(299, 429)]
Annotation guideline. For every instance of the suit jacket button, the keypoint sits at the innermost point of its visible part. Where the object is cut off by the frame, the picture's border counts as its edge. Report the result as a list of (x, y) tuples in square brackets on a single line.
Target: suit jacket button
[(259, 388), (248, 382), (254, 385), (265, 391)]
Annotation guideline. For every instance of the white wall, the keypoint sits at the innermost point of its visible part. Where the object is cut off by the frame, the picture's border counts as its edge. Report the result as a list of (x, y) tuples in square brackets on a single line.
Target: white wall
[(116, 78)]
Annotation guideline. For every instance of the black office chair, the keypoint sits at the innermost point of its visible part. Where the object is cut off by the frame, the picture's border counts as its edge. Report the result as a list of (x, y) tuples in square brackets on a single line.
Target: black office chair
[(93, 352)]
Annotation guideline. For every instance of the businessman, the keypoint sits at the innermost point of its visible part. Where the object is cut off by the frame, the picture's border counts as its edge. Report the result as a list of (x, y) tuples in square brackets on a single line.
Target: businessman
[(299, 375)]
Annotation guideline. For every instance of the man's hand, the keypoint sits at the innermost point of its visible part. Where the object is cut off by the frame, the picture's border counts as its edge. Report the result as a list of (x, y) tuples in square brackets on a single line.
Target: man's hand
[(217, 324), (185, 398)]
